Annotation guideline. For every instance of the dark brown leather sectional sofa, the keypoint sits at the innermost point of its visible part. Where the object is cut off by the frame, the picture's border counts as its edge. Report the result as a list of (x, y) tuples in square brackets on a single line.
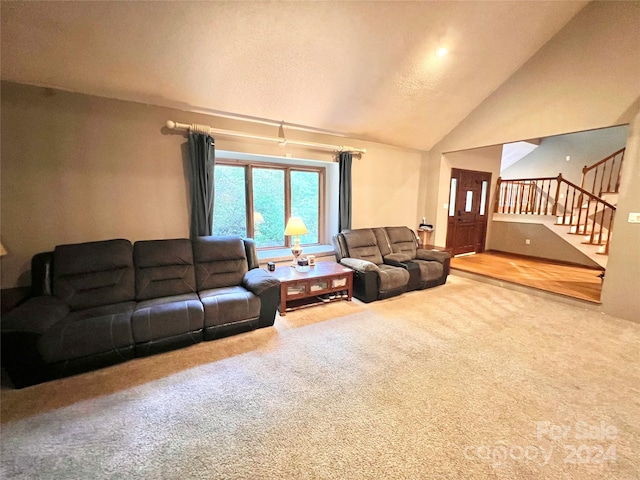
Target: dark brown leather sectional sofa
[(101, 303), (387, 261)]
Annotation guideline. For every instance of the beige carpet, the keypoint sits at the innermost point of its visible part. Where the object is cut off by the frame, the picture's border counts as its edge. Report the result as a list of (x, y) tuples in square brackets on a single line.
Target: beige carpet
[(467, 380)]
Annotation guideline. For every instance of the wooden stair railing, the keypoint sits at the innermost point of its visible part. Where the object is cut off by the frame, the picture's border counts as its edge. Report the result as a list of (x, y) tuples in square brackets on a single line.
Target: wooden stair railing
[(585, 213), (604, 176)]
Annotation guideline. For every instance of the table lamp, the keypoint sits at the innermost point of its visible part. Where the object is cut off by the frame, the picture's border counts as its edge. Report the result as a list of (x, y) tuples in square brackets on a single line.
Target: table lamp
[(295, 226)]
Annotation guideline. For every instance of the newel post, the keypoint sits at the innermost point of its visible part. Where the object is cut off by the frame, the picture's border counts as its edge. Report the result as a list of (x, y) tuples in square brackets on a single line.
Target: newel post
[(585, 169), (496, 208)]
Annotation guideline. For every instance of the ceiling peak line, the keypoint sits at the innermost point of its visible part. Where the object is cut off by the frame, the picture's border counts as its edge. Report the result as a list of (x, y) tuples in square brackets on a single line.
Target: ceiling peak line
[(281, 141)]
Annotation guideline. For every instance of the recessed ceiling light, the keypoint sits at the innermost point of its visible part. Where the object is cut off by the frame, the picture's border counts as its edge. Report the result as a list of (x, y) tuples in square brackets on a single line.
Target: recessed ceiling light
[(442, 51)]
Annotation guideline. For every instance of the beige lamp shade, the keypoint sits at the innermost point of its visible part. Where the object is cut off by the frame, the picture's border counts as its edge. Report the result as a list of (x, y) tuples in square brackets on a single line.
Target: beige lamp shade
[(257, 217), (295, 226), (3, 251)]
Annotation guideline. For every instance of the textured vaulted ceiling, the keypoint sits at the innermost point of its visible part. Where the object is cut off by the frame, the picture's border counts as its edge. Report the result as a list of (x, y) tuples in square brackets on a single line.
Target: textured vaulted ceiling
[(366, 69)]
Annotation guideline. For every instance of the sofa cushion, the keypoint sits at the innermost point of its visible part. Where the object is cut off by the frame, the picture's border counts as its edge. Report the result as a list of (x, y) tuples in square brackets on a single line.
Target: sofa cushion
[(168, 316), (219, 261), (164, 268), (362, 244), (402, 240), (88, 332), (93, 274), (392, 278), (229, 305)]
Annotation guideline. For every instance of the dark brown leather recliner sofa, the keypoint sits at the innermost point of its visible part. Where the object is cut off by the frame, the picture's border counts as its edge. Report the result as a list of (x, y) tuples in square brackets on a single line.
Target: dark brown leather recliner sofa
[(100, 303), (387, 261)]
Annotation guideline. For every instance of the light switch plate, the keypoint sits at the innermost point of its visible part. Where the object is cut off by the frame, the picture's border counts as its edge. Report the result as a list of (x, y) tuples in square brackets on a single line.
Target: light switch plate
[(634, 217)]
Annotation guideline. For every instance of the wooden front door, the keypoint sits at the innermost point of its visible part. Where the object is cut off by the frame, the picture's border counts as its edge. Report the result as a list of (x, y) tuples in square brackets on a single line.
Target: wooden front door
[(468, 210)]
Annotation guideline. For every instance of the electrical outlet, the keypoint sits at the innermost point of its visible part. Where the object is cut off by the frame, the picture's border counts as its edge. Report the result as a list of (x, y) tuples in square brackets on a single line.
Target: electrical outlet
[(634, 217), (527, 241)]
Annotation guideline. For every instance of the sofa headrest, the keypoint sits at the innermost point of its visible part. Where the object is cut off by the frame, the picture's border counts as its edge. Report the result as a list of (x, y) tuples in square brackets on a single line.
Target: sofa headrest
[(216, 248), (93, 274), (220, 261), (88, 257), (361, 243), (164, 268), (402, 240), (159, 253)]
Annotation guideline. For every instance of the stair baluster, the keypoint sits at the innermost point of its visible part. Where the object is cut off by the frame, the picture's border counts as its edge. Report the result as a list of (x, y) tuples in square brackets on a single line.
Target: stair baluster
[(584, 213), (615, 171)]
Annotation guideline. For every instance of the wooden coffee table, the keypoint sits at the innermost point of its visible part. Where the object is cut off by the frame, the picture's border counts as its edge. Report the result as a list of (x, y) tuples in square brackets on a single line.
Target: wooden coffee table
[(301, 289)]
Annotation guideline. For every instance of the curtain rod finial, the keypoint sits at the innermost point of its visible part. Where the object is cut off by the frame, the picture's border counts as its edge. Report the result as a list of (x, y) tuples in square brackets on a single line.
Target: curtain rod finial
[(171, 124)]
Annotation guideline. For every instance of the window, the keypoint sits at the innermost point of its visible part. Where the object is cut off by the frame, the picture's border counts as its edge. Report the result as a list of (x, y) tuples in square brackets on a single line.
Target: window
[(255, 200), (452, 197), (468, 204), (229, 209), (483, 198)]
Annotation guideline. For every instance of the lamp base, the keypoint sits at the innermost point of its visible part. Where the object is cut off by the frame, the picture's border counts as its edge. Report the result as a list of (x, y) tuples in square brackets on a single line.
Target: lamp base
[(296, 251)]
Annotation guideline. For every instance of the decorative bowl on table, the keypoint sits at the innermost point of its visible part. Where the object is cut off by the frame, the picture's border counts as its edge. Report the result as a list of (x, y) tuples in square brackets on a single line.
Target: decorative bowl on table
[(303, 265)]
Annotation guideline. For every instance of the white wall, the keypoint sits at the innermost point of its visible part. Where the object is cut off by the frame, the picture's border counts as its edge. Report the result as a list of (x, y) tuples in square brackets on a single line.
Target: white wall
[(583, 148), (621, 288), (584, 78)]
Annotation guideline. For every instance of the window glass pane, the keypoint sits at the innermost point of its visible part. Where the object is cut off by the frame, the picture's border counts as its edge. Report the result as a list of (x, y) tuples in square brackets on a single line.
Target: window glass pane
[(469, 201), (229, 204), (268, 199), (305, 202), (452, 197), (483, 197)]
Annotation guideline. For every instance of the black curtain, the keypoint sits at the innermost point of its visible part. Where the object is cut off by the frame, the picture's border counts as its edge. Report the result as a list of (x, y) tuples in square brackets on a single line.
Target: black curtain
[(344, 193), (202, 159)]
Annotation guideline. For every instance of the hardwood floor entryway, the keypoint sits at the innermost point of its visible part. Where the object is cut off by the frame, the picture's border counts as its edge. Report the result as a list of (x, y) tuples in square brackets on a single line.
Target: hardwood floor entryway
[(570, 280)]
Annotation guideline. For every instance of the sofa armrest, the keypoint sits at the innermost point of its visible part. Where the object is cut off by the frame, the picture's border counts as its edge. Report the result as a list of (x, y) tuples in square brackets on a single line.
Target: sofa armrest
[(257, 281), (22, 329), (36, 315), (422, 254), (267, 287), (436, 256), (360, 265), (396, 259)]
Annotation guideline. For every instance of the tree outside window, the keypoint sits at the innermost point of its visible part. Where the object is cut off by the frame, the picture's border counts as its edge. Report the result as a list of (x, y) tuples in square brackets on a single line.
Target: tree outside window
[(255, 200)]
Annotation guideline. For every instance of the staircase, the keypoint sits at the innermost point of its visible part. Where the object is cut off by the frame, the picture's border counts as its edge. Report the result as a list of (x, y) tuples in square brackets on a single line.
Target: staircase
[(586, 211)]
